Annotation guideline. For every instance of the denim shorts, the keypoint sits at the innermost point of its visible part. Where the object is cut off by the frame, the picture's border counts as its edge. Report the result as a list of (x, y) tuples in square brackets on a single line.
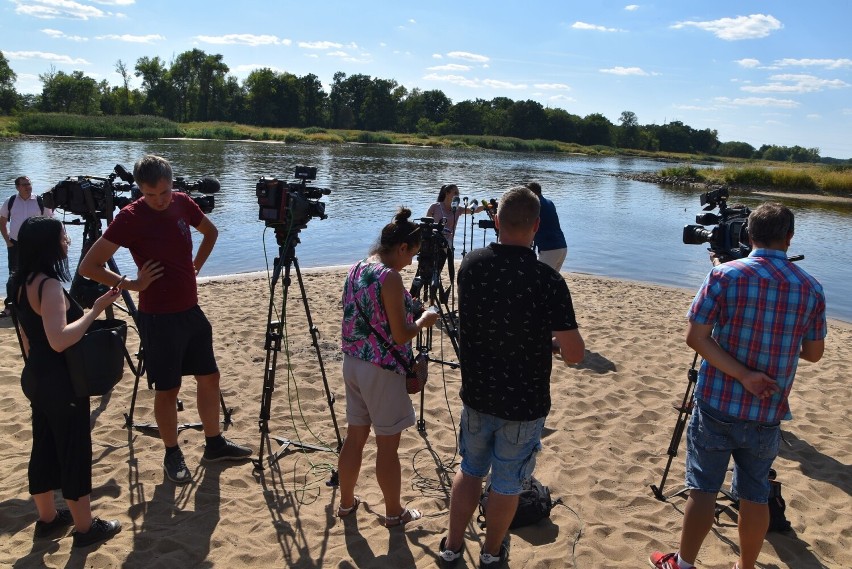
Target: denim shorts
[(714, 438), (507, 448)]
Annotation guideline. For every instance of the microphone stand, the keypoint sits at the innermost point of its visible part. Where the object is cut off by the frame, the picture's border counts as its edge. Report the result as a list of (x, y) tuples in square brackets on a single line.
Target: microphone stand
[(464, 232)]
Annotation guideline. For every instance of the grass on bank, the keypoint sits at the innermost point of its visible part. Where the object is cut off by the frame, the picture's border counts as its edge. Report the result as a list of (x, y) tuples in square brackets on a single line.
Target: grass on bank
[(804, 178)]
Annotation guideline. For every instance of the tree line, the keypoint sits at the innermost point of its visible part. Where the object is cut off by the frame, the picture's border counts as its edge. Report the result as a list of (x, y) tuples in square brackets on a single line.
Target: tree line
[(195, 86)]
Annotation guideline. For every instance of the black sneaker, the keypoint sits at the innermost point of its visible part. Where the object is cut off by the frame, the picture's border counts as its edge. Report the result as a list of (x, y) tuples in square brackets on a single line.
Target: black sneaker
[(101, 530), (228, 451), (175, 467), (62, 520), (488, 561), (448, 557)]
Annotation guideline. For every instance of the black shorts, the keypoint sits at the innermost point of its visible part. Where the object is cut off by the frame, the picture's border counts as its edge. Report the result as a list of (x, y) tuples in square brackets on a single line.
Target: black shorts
[(176, 344)]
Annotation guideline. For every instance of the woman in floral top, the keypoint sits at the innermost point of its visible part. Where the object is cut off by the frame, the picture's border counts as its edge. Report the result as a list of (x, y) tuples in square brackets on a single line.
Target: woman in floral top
[(375, 380)]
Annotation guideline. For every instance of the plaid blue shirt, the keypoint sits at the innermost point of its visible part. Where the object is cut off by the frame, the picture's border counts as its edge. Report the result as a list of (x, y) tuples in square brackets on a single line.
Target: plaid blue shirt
[(762, 308)]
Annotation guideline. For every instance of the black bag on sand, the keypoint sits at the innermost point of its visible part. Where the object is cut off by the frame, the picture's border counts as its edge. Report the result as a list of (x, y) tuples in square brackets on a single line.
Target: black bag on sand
[(777, 507), (534, 504), (96, 362)]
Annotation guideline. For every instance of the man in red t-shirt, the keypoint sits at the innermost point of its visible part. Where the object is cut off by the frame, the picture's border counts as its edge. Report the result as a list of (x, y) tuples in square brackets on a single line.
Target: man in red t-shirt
[(176, 337)]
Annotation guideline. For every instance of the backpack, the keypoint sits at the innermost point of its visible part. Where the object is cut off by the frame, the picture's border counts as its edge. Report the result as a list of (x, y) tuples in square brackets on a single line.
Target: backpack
[(777, 507), (534, 504), (39, 201)]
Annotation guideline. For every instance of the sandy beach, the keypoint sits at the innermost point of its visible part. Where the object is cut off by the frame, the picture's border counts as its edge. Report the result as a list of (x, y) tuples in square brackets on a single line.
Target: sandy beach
[(605, 442)]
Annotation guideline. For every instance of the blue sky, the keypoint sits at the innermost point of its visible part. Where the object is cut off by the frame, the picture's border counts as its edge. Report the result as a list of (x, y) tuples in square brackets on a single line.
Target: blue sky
[(756, 71)]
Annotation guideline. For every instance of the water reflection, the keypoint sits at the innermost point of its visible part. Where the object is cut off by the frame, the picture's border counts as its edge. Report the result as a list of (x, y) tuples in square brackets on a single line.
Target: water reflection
[(614, 227)]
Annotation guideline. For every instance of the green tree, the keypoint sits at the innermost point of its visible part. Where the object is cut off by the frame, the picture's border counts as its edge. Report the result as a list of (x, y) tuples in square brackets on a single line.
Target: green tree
[(8, 94), (467, 117), (596, 130), (628, 133), (735, 149), (314, 101), (562, 125), (158, 95), (74, 93), (261, 87), (347, 98), (526, 119)]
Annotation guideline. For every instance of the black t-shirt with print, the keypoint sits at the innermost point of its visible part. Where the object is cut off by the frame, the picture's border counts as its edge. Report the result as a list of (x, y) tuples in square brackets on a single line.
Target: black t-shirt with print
[(509, 303)]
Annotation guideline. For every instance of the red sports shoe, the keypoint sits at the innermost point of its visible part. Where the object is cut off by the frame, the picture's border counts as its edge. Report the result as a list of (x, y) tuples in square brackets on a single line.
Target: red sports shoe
[(664, 560)]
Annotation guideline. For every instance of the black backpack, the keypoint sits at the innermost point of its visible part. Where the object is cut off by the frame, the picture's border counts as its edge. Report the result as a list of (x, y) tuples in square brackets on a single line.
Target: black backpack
[(39, 201), (777, 507), (534, 504)]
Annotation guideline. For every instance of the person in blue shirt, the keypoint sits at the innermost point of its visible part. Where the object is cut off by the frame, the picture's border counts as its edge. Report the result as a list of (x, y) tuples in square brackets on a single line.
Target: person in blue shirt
[(549, 239)]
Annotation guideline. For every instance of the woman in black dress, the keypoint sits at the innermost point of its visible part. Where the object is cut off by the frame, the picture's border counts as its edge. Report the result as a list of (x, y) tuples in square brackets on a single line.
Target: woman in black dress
[(51, 321)]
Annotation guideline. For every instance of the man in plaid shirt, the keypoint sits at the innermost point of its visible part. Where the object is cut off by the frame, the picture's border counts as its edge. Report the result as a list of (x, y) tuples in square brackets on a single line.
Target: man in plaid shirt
[(751, 321)]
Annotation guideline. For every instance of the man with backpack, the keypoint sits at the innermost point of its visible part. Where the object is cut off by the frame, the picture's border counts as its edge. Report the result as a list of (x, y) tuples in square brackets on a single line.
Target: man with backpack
[(18, 208)]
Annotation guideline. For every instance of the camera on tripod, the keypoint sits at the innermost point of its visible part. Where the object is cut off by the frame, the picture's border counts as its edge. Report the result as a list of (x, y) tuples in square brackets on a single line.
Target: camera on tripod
[(290, 204), (729, 239), (92, 195), (206, 185)]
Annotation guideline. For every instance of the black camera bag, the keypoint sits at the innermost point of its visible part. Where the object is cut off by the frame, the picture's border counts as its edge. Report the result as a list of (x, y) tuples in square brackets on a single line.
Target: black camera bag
[(534, 505)]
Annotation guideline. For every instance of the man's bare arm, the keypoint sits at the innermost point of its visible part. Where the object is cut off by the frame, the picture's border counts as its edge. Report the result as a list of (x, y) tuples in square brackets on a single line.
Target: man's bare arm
[(93, 267)]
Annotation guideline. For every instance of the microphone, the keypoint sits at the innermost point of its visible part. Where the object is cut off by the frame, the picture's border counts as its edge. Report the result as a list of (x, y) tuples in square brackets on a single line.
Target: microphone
[(473, 204), (455, 203), (123, 174)]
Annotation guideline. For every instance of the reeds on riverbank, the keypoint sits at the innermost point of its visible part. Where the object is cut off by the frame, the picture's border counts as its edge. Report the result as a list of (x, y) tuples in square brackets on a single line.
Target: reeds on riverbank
[(805, 178), (86, 126)]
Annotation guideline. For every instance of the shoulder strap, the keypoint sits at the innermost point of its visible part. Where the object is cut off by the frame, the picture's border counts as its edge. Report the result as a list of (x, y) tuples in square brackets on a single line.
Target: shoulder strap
[(385, 343), (11, 203), (40, 203)]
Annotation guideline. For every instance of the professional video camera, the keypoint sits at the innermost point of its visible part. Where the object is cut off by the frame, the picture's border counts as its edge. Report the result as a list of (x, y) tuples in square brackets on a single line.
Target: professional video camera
[(290, 205), (86, 195), (432, 256), (729, 239)]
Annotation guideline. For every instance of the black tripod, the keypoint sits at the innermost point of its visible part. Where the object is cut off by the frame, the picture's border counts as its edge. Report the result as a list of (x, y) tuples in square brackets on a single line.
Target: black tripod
[(684, 411), (85, 292), (429, 290), (287, 242)]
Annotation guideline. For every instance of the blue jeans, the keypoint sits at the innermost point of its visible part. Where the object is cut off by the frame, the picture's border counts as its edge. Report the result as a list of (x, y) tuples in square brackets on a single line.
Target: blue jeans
[(714, 438), (507, 448)]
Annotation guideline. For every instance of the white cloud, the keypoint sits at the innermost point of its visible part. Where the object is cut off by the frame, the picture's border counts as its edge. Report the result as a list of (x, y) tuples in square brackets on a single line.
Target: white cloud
[(748, 63), (450, 67), (624, 71), (795, 83), (115, 2), (47, 56), (437, 56), (338, 54), (51, 9), (562, 99), (847, 112), (827, 63), (552, 86), (759, 102), (502, 84), (249, 67), (326, 45), (58, 34), (150, 38), (466, 56), (412, 21), (814, 116), (473, 83), (593, 27), (631, 7), (740, 28), (694, 108), (244, 39)]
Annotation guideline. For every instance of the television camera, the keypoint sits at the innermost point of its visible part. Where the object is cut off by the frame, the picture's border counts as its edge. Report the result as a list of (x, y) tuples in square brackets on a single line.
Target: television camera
[(729, 238), (290, 205), (93, 195)]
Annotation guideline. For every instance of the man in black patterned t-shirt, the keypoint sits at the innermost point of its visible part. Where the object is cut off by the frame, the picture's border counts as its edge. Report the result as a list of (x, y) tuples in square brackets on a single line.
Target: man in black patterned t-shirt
[(514, 312)]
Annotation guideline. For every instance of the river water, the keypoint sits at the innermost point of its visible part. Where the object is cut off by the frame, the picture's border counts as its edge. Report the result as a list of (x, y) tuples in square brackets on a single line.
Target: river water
[(614, 227)]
